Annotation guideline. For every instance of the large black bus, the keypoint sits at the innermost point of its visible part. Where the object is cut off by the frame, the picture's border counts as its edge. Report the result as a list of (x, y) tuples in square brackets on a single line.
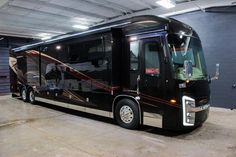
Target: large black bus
[(142, 70)]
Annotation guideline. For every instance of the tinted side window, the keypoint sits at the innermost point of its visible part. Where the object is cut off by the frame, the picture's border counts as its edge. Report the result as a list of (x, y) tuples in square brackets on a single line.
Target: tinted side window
[(58, 51), (92, 57), (76, 63), (152, 60), (87, 50)]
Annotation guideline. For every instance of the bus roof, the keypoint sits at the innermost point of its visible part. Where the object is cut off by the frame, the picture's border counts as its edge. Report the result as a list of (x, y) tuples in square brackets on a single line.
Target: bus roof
[(125, 23)]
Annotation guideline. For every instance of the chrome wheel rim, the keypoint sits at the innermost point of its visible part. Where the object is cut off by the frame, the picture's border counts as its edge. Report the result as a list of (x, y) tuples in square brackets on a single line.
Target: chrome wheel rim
[(126, 114), (23, 95), (31, 96)]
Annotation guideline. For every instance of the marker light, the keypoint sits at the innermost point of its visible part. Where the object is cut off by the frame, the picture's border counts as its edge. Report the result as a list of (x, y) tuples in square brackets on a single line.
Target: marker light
[(173, 101), (166, 3), (58, 47)]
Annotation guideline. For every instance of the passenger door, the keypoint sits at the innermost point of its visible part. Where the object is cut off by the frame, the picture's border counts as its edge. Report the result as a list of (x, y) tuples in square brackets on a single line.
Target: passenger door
[(151, 66)]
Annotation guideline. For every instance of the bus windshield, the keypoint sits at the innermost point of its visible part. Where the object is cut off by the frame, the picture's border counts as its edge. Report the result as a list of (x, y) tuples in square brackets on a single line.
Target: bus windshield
[(187, 48)]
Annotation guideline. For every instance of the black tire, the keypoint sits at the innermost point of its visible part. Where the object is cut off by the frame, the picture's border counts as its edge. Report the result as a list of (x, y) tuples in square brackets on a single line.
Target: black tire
[(24, 94), (31, 95), (130, 112)]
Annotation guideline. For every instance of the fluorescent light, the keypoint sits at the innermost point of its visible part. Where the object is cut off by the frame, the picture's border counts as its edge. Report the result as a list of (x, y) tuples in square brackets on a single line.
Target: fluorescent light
[(81, 27), (166, 3), (46, 38), (43, 34), (81, 20), (147, 21), (133, 38)]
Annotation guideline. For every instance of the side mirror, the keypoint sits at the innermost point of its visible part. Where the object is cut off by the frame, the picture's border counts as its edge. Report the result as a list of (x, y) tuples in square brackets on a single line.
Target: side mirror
[(216, 77), (188, 69)]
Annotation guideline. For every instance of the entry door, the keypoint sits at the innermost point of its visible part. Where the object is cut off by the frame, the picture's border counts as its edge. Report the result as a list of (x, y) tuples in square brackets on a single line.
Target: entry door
[(152, 72)]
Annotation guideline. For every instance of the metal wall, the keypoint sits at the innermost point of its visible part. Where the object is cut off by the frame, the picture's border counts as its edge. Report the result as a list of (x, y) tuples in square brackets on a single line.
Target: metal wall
[(217, 30), (5, 44), (4, 71)]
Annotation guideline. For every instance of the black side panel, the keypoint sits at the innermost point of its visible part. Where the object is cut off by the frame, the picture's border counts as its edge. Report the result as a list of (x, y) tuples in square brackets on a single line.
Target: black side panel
[(78, 71), (116, 57)]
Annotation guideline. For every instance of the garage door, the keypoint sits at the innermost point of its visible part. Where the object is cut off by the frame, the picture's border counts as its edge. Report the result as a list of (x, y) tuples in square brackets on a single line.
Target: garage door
[(4, 71)]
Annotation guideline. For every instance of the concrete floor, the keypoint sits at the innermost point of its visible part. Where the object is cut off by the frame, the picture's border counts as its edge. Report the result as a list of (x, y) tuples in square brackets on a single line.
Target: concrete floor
[(37, 130)]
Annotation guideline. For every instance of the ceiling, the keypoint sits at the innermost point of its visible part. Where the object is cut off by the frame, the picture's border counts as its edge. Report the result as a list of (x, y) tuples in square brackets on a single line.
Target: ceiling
[(46, 18)]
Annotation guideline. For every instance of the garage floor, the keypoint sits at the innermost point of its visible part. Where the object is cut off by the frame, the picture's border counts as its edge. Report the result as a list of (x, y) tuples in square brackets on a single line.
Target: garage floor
[(37, 130)]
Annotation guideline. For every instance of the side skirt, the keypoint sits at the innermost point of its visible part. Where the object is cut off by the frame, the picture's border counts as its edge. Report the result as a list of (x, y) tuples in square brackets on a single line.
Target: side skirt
[(76, 107), (149, 119)]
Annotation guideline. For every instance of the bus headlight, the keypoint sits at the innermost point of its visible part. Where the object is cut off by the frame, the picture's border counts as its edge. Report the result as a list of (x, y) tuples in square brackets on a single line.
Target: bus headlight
[(188, 115)]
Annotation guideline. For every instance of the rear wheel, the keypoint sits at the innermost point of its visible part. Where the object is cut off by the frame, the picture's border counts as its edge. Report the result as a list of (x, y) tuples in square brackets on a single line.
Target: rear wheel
[(127, 114), (24, 94), (31, 96)]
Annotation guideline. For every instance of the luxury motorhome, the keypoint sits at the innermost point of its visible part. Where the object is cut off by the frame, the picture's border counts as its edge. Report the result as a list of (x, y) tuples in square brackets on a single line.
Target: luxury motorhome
[(141, 70)]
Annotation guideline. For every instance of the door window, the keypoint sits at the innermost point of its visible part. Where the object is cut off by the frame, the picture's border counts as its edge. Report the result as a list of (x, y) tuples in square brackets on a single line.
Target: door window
[(152, 60)]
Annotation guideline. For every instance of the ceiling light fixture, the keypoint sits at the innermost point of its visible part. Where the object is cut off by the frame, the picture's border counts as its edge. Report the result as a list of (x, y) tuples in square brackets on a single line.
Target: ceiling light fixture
[(80, 27), (166, 3), (133, 38), (44, 36)]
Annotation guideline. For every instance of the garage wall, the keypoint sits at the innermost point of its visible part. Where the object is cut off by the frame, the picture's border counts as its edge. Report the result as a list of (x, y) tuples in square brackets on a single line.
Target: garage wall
[(217, 30), (4, 71), (5, 44)]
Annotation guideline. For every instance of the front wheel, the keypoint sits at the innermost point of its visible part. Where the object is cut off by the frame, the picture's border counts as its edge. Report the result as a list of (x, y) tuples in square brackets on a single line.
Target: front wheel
[(127, 114)]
